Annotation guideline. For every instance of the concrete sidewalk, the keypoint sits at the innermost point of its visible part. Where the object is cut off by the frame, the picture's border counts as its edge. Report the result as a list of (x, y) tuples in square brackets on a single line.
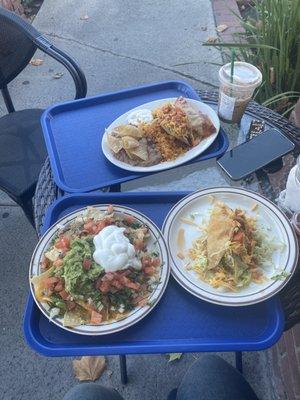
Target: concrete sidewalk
[(123, 43)]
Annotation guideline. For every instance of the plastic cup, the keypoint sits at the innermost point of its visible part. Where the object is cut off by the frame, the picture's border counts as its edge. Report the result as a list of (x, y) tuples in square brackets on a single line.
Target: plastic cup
[(234, 96)]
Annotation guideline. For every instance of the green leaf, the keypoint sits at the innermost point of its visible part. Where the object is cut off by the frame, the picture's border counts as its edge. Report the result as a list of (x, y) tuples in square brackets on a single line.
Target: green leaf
[(286, 112), (242, 45), (281, 276), (174, 356), (280, 96)]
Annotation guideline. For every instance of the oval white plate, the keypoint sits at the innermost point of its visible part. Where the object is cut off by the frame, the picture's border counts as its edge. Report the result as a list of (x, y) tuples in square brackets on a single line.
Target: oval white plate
[(269, 216), (156, 241), (189, 155)]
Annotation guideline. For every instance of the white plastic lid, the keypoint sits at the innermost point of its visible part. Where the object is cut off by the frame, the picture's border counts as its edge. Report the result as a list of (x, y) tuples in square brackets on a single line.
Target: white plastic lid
[(244, 74)]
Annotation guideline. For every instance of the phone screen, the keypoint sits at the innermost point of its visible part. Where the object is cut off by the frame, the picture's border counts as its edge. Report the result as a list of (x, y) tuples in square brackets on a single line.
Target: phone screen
[(255, 154)]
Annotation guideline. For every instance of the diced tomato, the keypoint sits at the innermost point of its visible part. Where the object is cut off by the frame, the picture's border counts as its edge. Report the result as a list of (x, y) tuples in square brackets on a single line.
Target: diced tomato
[(132, 285), (110, 209), (108, 277), (58, 262), (88, 226), (49, 282), (149, 270), (156, 262), (99, 226), (59, 287), (86, 264), (70, 305), (129, 219), (104, 287), (63, 294), (63, 243), (96, 318), (117, 284), (45, 263), (146, 261)]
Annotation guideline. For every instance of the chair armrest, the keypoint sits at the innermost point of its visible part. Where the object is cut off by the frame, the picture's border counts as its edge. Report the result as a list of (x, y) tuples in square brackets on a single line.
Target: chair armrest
[(41, 42), (75, 71)]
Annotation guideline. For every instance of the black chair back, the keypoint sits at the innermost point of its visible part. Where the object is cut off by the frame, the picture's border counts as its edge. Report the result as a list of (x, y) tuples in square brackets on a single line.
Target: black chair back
[(16, 49)]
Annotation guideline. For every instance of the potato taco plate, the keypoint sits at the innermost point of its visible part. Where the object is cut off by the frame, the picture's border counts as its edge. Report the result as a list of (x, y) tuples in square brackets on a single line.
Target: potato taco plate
[(161, 134)]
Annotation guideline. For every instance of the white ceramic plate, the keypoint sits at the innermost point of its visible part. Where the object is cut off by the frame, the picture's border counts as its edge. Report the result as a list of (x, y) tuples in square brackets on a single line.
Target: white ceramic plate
[(189, 155), (156, 242), (270, 217)]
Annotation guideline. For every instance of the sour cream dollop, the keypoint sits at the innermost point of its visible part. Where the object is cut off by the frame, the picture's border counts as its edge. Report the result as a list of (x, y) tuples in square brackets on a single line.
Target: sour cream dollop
[(114, 252), (142, 116)]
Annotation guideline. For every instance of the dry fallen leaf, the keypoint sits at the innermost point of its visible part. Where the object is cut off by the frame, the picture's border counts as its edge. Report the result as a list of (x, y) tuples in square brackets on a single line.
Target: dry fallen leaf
[(84, 17), (174, 356), (212, 39), (89, 368), (58, 75), (221, 28), (36, 62)]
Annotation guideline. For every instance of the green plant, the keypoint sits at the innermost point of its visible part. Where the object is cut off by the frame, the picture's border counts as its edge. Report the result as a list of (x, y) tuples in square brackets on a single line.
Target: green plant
[(271, 41)]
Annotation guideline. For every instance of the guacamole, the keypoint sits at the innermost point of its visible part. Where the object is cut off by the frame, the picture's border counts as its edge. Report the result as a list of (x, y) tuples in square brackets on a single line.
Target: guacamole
[(80, 282)]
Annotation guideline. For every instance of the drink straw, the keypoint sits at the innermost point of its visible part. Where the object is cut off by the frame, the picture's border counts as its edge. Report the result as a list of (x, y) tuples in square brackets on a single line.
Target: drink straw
[(232, 65)]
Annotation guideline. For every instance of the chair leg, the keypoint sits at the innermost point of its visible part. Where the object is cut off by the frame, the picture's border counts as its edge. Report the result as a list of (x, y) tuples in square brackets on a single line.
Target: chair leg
[(123, 369), (26, 202), (239, 361), (27, 208)]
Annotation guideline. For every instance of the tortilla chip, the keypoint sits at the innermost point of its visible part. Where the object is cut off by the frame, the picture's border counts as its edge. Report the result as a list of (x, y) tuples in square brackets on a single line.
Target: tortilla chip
[(141, 151), (115, 143), (129, 143), (219, 233), (73, 318), (128, 130), (37, 282)]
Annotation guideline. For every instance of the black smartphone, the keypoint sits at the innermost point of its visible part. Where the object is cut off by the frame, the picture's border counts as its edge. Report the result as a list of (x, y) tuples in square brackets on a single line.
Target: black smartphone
[(250, 156)]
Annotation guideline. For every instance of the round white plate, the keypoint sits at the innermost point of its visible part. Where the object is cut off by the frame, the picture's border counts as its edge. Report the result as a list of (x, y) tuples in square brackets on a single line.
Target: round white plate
[(269, 216), (155, 243), (189, 155)]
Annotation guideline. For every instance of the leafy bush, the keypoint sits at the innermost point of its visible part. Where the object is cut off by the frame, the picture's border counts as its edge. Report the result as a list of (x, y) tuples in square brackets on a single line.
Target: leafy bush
[(271, 41)]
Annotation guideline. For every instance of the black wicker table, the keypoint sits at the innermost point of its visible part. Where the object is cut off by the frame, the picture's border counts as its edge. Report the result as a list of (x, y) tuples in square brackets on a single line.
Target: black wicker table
[(268, 184)]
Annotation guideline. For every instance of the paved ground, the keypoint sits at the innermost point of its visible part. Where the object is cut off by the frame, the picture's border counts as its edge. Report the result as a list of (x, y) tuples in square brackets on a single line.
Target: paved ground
[(123, 43)]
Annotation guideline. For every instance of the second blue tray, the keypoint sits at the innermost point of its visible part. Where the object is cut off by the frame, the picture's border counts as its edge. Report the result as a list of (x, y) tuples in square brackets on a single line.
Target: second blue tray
[(179, 323), (73, 133)]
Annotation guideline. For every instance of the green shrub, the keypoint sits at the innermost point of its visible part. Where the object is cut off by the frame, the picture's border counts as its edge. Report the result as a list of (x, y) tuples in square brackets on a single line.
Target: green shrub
[(271, 41)]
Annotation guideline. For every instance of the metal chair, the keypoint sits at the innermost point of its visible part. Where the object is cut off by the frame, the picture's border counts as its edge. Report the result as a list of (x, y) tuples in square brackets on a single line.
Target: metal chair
[(22, 148)]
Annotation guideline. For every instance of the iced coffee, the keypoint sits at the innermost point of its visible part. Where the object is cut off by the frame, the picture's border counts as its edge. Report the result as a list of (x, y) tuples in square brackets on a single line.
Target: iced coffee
[(237, 85)]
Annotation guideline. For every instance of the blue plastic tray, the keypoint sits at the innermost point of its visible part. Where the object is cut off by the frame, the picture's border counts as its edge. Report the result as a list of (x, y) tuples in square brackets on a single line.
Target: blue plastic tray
[(179, 323), (73, 133)]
